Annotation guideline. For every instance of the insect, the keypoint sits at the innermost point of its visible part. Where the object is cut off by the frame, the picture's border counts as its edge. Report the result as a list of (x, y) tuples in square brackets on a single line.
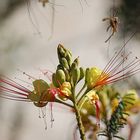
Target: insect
[(113, 21), (113, 24)]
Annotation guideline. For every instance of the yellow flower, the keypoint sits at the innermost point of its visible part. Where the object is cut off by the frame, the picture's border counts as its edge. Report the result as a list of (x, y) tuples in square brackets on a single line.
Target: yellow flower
[(92, 76), (65, 91), (113, 71), (92, 96), (94, 99), (66, 85)]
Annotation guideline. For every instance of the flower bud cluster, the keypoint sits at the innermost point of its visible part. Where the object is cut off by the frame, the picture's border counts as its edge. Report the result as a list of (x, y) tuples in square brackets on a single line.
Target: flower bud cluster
[(68, 73)]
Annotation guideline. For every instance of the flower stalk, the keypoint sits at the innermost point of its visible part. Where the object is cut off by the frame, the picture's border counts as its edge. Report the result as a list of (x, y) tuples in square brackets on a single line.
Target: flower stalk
[(78, 118), (79, 122)]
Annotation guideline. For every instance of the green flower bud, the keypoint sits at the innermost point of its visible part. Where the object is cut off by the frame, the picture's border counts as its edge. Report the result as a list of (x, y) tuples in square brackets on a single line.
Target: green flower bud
[(69, 58), (74, 64), (76, 61), (82, 73), (54, 80), (75, 75), (60, 76), (64, 63), (67, 74), (61, 51)]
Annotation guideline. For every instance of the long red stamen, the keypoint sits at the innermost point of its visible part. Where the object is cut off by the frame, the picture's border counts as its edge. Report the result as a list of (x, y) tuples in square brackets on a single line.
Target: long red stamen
[(16, 92), (14, 98), (113, 71), (5, 89), (14, 84)]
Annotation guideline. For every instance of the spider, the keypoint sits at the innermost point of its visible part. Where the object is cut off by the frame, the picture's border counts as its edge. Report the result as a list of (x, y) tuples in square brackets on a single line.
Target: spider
[(113, 24)]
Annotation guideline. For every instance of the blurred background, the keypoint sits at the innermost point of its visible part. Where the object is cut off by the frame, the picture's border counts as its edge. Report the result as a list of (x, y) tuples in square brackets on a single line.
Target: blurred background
[(29, 35)]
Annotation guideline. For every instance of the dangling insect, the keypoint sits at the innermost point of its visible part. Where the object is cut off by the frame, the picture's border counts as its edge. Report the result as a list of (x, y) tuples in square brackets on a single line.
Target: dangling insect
[(113, 24), (113, 21)]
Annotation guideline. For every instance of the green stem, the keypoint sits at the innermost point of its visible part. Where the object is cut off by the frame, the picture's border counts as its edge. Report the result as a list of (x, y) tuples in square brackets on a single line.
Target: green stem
[(59, 101), (82, 96), (81, 91), (78, 118)]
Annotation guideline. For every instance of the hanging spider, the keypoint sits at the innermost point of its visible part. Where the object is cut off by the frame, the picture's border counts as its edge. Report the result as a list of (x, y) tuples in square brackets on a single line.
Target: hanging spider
[(113, 24), (44, 2)]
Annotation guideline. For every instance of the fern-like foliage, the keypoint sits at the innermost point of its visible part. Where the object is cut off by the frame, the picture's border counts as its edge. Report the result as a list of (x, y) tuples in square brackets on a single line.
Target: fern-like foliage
[(118, 119)]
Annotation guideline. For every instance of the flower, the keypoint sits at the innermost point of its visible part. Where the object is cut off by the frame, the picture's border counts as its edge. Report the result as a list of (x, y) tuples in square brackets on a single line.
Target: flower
[(92, 96), (40, 94), (94, 99), (65, 91), (118, 68)]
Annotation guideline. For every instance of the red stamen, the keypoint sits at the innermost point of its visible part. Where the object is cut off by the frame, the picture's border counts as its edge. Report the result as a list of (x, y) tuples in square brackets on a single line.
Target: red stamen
[(20, 93), (5, 89), (14, 84), (14, 98), (97, 112), (113, 71)]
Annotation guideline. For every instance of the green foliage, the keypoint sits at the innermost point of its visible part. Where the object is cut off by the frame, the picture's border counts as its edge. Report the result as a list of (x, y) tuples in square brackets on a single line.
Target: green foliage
[(118, 118), (117, 121)]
